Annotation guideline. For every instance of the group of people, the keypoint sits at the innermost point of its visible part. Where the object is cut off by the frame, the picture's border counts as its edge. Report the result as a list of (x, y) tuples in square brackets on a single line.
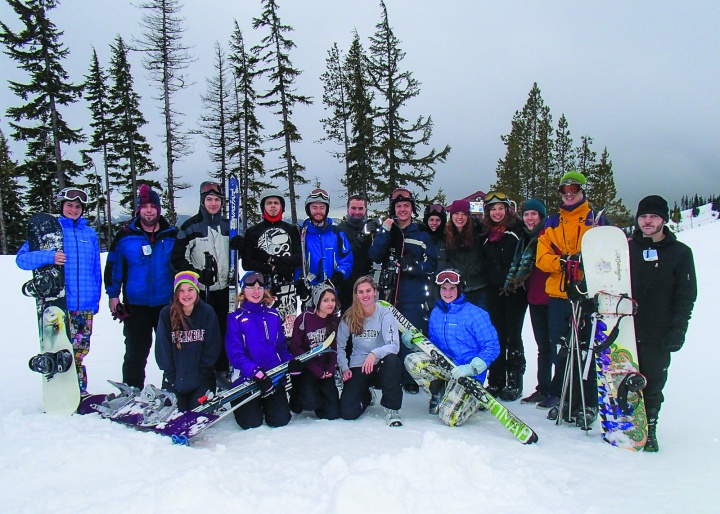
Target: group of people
[(464, 281)]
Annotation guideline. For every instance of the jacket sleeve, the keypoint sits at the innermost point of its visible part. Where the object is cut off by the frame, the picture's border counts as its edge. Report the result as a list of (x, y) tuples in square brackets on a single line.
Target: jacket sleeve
[(427, 263), (96, 271), (343, 334), (27, 260), (389, 331), (298, 335), (280, 341), (547, 258), (235, 348), (345, 256), (114, 268), (212, 344), (178, 258), (253, 258), (163, 347), (485, 336), (380, 245), (685, 292)]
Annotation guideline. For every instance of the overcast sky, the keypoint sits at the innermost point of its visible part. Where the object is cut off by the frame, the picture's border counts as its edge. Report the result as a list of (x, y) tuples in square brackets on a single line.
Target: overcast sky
[(641, 78)]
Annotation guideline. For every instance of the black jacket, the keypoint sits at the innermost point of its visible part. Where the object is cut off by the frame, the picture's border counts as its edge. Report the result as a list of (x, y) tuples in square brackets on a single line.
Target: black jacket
[(665, 289), (279, 240), (497, 256)]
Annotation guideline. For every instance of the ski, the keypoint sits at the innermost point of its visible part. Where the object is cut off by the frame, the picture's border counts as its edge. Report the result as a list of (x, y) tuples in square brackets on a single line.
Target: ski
[(234, 219), (515, 426)]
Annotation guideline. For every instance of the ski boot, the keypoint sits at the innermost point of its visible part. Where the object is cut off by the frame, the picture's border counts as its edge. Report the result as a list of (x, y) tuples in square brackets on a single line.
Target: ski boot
[(49, 364), (114, 402), (392, 418), (554, 412), (584, 419), (651, 445)]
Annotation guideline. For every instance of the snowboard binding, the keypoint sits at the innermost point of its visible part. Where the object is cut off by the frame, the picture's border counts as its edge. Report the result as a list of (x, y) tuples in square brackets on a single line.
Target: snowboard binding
[(161, 405), (49, 364), (47, 283), (114, 402)]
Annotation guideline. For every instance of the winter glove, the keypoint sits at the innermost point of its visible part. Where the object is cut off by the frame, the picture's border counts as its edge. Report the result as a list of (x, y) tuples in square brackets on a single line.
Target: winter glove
[(408, 262), (237, 243), (302, 290), (265, 383), (674, 340), (295, 366), (475, 367), (387, 224), (407, 338), (337, 278), (372, 225)]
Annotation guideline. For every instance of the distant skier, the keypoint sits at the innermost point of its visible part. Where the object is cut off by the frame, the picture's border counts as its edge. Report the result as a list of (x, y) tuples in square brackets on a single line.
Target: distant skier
[(664, 285), (188, 343), (83, 282), (463, 332)]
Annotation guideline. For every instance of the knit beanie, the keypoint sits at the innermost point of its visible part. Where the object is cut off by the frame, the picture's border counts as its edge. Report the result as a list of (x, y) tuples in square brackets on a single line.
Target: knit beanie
[(653, 204), (187, 277), (535, 204), (318, 291), (436, 210), (460, 206), (573, 177), (147, 196)]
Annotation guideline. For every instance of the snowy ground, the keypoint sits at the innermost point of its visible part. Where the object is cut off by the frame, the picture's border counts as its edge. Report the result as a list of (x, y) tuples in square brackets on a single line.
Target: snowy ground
[(86, 464)]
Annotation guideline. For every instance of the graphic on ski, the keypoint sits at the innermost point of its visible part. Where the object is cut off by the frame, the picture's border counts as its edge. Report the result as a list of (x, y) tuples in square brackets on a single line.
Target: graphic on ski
[(606, 264), (234, 219), (515, 426), (61, 391)]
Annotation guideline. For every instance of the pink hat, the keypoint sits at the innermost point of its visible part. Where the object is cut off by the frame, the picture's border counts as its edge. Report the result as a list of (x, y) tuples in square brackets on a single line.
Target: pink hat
[(460, 206)]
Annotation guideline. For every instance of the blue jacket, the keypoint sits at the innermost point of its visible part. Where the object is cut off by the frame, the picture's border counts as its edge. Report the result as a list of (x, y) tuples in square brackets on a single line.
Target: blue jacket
[(327, 250), (414, 242), (141, 268), (255, 339), (463, 331), (82, 267), (192, 365)]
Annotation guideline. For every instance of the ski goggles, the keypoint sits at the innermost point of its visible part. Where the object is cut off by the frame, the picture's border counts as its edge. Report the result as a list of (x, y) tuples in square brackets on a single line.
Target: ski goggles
[(207, 188), (435, 208), (569, 189), (252, 278), (448, 276), (318, 195), (401, 194), (73, 193), (496, 197)]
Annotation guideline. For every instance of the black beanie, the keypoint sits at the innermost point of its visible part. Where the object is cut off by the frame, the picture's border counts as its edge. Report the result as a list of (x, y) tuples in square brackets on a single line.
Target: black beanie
[(653, 204)]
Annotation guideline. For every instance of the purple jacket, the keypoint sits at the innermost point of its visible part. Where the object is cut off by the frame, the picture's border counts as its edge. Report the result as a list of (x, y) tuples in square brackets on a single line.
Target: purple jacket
[(310, 331), (255, 339)]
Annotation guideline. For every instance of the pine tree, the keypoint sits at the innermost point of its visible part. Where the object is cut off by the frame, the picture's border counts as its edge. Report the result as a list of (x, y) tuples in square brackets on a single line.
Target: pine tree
[(508, 170), (335, 98), (246, 144), (215, 121), (274, 53), (11, 203), (604, 192), (130, 152), (564, 153), (585, 159), (165, 57), (96, 93), (397, 141), (359, 178), (39, 52)]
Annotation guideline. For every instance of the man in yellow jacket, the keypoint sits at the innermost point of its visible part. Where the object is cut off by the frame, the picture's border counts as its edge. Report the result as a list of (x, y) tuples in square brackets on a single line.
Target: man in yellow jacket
[(560, 240)]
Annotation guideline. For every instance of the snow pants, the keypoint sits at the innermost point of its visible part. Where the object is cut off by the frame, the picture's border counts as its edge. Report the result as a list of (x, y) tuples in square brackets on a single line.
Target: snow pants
[(81, 323), (316, 394), (546, 350), (138, 331), (356, 392), (456, 405), (507, 314), (654, 363), (220, 302), (274, 408)]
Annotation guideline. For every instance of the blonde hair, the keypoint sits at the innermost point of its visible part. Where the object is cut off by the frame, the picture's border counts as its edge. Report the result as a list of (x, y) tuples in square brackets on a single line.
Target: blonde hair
[(354, 317), (267, 298)]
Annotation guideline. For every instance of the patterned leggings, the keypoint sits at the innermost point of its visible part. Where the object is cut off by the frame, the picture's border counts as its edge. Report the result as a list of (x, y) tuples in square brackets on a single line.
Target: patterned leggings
[(457, 405), (80, 332)]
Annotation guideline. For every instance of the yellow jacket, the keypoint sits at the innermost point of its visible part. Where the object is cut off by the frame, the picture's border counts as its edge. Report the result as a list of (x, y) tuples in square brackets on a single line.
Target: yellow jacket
[(562, 236)]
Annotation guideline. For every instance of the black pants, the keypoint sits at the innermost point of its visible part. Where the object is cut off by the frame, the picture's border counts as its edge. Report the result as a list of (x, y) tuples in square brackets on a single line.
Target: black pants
[(274, 408), (546, 350), (316, 394), (188, 401), (507, 314), (138, 331), (356, 394), (220, 302), (654, 363)]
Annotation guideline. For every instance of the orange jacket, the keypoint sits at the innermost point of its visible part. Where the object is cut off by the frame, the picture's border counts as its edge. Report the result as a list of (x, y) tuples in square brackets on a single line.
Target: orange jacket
[(562, 236)]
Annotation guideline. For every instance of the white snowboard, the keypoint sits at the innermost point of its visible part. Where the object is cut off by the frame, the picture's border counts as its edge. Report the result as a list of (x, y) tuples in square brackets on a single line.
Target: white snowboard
[(61, 394)]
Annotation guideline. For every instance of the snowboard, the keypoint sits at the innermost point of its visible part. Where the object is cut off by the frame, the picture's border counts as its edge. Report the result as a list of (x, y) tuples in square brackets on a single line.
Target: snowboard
[(61, 391), (276, 242), (515, 426), (606, 265)]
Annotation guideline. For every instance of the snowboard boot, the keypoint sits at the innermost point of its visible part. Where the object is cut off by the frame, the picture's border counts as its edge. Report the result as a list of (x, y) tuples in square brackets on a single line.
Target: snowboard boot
[(493, 390), (651, 445), (50, 364), (513, 390), (437, 390), (554, 412), (584, 419), (549, 402), (536, 397), (392, 418)]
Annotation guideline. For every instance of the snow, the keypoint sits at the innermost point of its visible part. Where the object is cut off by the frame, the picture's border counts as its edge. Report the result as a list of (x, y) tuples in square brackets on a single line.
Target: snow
[(87, 464)]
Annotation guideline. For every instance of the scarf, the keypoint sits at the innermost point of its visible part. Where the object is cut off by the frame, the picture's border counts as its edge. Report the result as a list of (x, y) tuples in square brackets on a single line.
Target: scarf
[(523, 260), (496, 233)]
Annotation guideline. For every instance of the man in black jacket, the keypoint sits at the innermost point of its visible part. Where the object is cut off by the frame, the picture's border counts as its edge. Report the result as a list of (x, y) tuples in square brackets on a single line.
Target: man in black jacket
[(359, 232), (664, 285)]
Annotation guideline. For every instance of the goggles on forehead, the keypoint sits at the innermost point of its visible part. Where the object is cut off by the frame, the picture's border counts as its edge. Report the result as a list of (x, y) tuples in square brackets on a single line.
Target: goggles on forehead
[(401, 194), (319, 195), (570, 189), (253, 277), (211, 187), (449, 276), (435, 208), (73, 193), (496, 196)]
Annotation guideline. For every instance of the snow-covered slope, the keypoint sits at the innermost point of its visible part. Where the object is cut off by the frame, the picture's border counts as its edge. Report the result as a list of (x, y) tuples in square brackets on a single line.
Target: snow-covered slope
[(86, 464)]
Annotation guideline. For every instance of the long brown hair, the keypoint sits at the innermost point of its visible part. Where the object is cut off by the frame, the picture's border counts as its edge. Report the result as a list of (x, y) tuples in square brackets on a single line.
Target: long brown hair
[(457, 239), (178, 320), (333, 320), (354, 316), (509, 221)]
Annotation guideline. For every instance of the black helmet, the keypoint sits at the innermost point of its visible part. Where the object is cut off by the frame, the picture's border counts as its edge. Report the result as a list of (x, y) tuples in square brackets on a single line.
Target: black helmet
[(453, 276)]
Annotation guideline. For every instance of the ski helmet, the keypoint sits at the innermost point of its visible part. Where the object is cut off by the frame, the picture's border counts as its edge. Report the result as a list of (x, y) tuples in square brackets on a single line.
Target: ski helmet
[(497, 197), (401, 194), (452, 276), (70, 194), (268, 193), (572, 177), (318, 195), (211, 188)]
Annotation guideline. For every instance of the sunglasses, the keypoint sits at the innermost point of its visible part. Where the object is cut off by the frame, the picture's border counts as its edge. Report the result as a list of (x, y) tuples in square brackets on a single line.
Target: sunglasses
[(73, 193), (319, 194), (253, 278), (496, 196), (401, 194), (449, 276), (570, 189), (213, 187)]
